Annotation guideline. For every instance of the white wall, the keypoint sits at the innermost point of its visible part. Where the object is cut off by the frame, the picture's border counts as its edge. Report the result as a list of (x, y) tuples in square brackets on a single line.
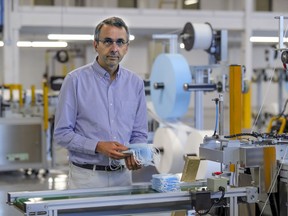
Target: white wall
[(32, 66)]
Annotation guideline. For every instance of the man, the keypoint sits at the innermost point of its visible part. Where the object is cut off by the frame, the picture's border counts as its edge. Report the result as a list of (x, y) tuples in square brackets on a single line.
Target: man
[(101, 107)]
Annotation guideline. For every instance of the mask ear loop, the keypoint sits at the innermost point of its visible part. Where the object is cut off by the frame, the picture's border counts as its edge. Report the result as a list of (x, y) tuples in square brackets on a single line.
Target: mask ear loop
[(114, 164), (146, 156)]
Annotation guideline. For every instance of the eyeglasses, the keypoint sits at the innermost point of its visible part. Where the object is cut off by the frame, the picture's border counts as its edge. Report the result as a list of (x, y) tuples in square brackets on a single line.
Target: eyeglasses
[(108, 42)]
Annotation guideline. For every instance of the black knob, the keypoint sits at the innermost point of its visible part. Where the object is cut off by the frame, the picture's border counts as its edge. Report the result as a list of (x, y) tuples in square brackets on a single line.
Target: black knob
[(159, 85)]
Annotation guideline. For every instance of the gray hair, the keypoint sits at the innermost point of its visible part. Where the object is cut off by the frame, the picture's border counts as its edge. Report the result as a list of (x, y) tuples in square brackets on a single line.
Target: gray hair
[(112, 21)]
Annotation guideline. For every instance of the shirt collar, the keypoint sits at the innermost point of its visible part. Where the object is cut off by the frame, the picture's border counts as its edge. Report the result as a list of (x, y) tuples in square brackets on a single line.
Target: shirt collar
[(101, 71)]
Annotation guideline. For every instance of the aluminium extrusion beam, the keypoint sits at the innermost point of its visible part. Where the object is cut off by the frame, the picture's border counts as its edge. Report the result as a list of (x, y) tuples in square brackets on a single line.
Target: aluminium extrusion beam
[(49, 208), (52, 207)]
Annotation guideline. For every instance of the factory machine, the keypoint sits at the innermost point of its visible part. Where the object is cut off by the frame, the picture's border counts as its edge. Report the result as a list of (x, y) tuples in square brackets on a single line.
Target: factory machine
[(252, 168), (23, 143), (170, 95)]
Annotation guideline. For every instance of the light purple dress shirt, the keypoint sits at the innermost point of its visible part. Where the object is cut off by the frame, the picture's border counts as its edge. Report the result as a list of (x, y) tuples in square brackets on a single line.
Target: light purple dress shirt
[(91, 108)]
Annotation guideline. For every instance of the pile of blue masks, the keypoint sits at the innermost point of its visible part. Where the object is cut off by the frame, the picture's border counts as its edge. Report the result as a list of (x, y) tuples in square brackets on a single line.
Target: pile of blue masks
[(165, 182)]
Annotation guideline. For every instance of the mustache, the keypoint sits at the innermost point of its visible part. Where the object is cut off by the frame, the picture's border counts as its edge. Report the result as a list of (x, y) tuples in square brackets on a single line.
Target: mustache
[(113, 56)]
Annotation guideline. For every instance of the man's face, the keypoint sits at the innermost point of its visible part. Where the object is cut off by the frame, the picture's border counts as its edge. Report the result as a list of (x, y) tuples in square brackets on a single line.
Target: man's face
[(111, 47)]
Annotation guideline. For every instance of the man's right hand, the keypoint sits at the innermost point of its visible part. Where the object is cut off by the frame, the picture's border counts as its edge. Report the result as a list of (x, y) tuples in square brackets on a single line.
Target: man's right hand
[(111, 149)]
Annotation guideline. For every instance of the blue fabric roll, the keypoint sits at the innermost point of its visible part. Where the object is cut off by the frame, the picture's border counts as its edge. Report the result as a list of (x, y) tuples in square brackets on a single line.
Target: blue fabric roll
[(173, 71)]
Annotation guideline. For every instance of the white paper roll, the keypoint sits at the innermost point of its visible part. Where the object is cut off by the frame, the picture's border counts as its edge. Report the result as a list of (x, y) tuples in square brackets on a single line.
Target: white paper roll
[(203, 36), (171, 160), (206, 168), (194, 140)]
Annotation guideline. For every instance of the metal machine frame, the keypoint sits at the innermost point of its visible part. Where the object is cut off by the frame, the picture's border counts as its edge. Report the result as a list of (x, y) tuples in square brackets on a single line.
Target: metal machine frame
[(115, 201), (23, 144)]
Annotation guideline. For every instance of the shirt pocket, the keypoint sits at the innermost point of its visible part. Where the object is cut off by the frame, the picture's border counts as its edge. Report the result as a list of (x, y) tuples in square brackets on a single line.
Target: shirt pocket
[(127, 114)]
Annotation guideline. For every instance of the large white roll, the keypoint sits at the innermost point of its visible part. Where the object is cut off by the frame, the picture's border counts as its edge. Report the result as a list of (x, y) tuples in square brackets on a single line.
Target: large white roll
[(194, 140), (207, 168), (171, 159)]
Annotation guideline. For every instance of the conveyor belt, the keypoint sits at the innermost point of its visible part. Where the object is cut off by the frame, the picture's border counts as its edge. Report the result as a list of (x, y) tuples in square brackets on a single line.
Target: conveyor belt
[(20, 201), (105, 201), (137, 199)]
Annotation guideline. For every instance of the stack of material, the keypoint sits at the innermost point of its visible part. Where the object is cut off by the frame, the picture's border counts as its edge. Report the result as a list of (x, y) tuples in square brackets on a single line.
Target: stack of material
[(165, 182)]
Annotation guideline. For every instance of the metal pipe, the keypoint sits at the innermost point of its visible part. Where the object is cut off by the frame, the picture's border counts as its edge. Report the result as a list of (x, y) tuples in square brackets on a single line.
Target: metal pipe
[(221, 116), (199, 87), (159, 85), (45, 105)]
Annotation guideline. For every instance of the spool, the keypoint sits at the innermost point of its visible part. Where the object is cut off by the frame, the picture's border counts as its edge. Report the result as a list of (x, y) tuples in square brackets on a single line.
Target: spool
[(197, 36), (192, 145), (171, 159), (169, 73)]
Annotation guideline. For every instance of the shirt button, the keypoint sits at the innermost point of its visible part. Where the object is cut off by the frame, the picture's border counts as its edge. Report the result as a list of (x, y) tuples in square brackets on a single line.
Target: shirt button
[(110, 104)]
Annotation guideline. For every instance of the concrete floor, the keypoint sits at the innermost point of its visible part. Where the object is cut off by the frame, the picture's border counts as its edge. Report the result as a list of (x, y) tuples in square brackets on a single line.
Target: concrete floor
[(17, 181)]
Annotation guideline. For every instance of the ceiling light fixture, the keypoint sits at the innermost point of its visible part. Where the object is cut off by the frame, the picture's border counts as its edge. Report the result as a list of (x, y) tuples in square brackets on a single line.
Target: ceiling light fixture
[(190, 2), (79, 37), (42, 44), (70, 37), (48, 44), (256, 39)]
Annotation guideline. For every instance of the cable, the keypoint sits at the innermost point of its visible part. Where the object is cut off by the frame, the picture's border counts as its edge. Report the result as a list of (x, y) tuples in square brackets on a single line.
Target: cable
[(284, 108), (241, 134), (217, 116), (222, 189), (265, 97)]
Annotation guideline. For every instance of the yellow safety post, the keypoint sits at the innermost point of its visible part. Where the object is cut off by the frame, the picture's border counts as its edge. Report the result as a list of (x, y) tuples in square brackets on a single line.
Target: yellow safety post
[(10, 87), (269, 165), (20, 90), (247, 117), (64, 70), (33, 98), (235, 90), (45, 105)]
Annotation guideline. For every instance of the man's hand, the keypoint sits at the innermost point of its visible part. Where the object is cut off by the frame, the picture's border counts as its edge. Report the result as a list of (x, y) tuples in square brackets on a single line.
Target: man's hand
[(111, 149), (131, 164)]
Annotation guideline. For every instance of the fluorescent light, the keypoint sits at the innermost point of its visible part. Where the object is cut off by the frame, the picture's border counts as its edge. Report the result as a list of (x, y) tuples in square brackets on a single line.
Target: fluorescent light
[(42, 44), (82, 37), (49, 44), (190, 2), (255, 39), (70, 37), (24, 44), (39, 44)]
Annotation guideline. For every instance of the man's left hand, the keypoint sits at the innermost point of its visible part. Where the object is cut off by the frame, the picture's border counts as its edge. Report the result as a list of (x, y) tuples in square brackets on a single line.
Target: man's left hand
[(131, 164)]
